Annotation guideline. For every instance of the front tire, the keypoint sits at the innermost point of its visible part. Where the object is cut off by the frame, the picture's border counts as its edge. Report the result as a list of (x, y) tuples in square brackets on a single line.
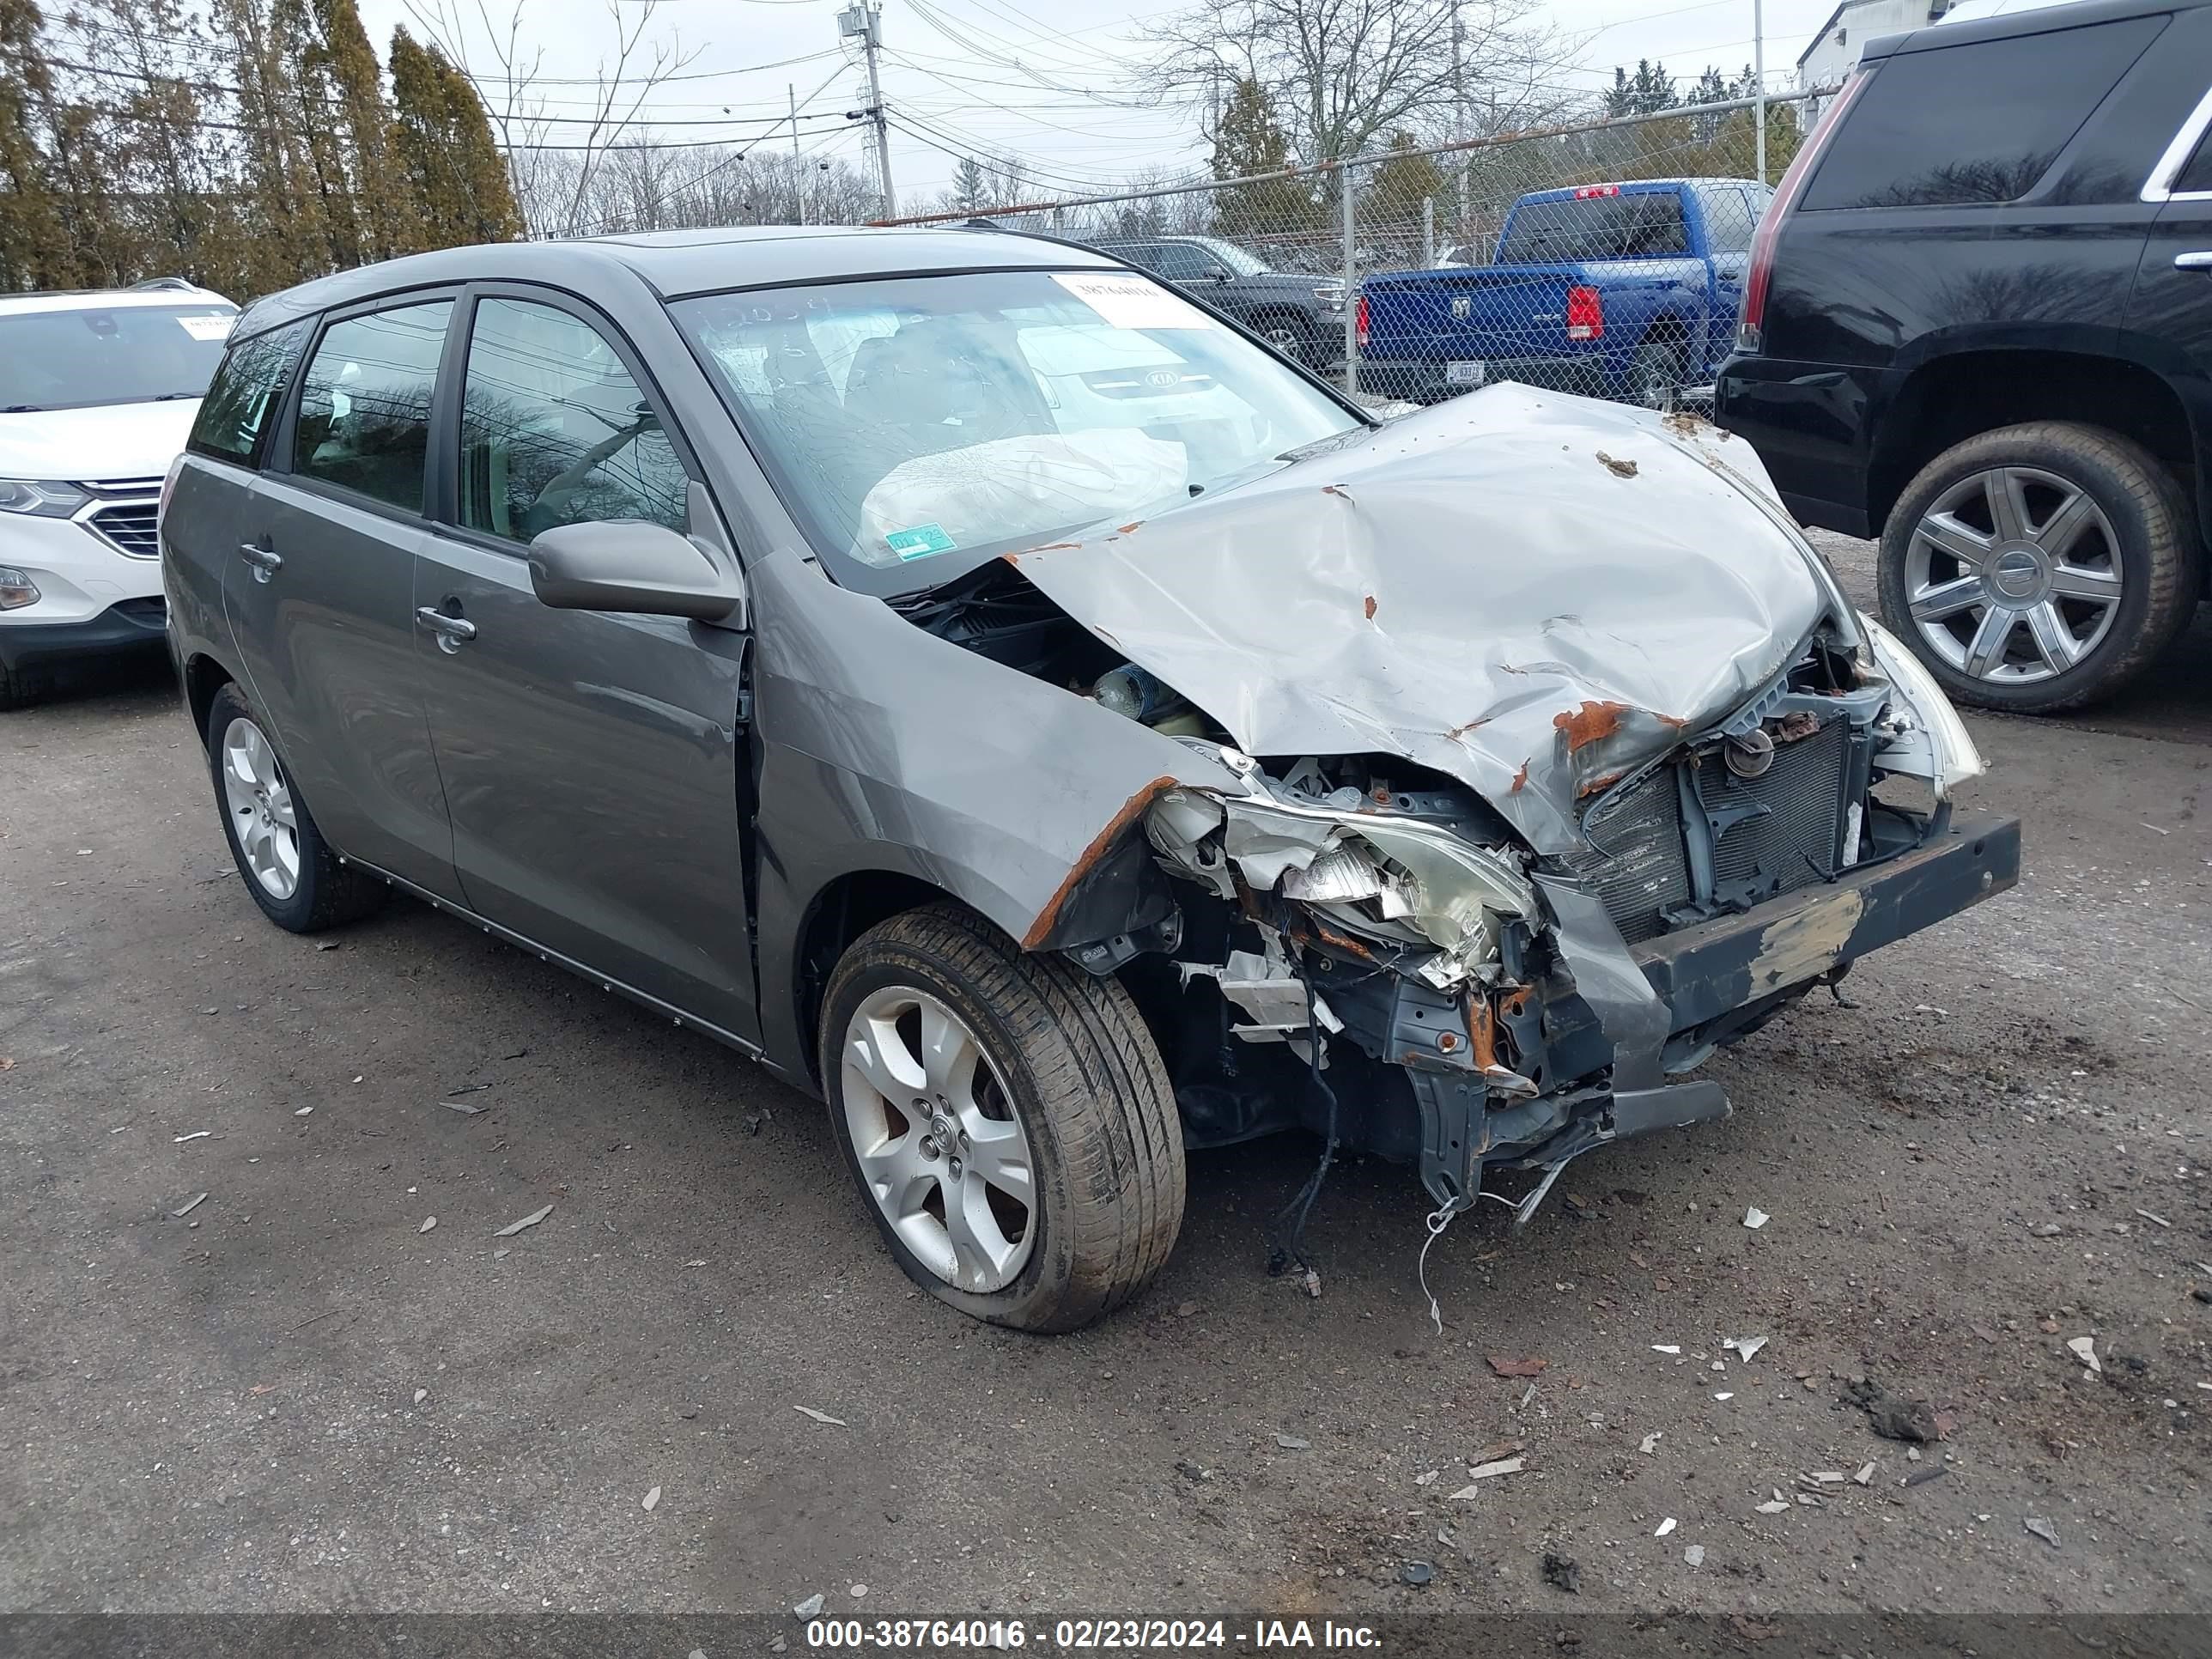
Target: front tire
[(292, 873), (1006, 1118), (2040, 566), (21, 687)]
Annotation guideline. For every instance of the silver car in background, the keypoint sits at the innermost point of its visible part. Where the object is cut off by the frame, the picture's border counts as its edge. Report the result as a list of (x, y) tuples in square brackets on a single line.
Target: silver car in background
[(1012, 702)]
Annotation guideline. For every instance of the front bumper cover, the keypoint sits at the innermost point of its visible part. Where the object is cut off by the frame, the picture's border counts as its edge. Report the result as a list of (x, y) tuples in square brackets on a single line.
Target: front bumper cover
[(1693, 988)]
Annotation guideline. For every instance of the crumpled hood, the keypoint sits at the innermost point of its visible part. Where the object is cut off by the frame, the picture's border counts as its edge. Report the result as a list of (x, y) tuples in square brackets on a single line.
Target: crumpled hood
[(1526, 591)]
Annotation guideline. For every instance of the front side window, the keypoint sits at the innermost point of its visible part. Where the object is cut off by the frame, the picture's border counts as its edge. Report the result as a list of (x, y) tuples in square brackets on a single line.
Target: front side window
[(364, 418), (555, 431), (1180, 262), (83, 356), (918, 427), (236, 409), (1241, 261)]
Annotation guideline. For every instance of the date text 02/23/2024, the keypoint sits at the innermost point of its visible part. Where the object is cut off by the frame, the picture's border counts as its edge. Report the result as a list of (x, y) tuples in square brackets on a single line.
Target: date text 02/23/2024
[(1076, 1635)]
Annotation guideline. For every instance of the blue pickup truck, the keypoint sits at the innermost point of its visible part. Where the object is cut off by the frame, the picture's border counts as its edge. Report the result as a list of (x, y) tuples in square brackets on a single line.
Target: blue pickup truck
[(1626, 291)]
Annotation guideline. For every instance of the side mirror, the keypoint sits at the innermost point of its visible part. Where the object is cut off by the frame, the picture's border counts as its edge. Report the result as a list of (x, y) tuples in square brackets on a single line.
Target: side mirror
[(631, 566), (1221, 274)]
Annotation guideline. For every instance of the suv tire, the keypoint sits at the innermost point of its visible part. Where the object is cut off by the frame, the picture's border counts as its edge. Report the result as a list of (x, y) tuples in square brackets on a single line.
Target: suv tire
[(1001, 1074), (22, 686), (293, 875), (2091, 573)]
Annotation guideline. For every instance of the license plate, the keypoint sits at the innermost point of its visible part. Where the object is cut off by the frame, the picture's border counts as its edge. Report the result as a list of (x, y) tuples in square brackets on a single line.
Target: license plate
[(1464, 373)]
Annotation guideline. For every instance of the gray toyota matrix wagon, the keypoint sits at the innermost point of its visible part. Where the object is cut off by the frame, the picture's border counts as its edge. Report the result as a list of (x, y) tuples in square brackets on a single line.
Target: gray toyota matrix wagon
[(1020, 707)]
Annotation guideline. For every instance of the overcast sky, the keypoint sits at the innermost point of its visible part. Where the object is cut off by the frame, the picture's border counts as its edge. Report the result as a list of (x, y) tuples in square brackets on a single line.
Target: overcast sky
[(1047, 80)]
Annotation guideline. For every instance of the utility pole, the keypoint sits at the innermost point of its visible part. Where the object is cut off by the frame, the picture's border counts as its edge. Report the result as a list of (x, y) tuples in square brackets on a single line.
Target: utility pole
[(1759, 70), (1459, 123), (865, 22), (798, 173)]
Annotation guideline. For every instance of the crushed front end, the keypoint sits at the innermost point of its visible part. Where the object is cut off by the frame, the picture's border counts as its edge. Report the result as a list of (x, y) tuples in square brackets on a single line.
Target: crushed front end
[(1390, 963)]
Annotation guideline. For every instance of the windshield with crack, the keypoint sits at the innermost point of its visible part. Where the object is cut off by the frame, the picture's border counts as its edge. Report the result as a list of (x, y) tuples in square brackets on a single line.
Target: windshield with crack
[(919, 426)]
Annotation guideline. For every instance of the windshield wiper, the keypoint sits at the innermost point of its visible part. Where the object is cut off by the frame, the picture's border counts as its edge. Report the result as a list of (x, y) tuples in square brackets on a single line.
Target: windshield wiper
[(22, 409)]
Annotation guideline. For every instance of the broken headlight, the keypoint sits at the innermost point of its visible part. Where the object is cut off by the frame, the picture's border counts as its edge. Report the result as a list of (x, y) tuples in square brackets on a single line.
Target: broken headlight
[(1925, 736), (1415, 881)]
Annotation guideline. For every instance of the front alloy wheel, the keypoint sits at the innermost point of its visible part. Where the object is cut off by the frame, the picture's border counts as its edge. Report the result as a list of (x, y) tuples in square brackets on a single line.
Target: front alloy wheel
[(1288, 338), (939, 1147), (1006, 1117)]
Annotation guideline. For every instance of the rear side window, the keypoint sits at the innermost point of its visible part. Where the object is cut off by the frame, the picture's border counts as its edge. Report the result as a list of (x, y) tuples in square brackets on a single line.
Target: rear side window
[(1634, 224), (555, 431), (1980, 123), (235, 414), (365, 403)]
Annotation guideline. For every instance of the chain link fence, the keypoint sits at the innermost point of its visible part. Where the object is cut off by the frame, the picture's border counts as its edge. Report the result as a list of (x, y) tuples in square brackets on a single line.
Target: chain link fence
[(1606, 259)]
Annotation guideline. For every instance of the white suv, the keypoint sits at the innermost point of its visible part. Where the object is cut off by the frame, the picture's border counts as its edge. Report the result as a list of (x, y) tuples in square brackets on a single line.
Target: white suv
[(97, 391)]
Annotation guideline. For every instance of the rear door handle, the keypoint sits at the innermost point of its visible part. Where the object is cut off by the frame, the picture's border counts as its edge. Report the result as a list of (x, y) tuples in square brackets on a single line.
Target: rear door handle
[(2193, 261), (452, 632), (265, 561)]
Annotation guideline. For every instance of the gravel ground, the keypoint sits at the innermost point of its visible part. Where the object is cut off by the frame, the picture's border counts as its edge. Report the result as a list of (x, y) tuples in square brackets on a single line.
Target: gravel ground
[(297, 1397)]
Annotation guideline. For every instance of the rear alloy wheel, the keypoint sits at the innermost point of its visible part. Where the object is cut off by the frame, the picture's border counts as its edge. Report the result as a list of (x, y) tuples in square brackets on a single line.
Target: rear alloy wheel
[(2039, 567), (1655, 371), (295, 877), (1006, 1119)]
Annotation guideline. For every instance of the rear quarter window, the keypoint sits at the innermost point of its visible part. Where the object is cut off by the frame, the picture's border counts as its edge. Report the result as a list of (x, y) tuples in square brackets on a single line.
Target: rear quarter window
[(242, 398), (1979, 122)]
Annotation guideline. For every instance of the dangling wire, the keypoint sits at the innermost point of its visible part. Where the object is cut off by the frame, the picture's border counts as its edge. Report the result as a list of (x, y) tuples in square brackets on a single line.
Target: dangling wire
[(1289, 1240), (1438, 1220)]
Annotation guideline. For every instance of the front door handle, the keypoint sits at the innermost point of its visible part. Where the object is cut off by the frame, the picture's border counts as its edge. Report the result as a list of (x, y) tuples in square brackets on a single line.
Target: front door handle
[(265, 560), (452, 632), (2193, 261)]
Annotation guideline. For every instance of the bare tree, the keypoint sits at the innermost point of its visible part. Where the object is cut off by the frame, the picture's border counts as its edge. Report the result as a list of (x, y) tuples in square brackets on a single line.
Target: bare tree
[(554, 185), (1342, 72)]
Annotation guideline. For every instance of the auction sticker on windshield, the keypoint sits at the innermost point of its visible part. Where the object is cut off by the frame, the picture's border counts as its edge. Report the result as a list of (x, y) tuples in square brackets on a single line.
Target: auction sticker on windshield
[(207, 328), (920, 542), (1128, 301)]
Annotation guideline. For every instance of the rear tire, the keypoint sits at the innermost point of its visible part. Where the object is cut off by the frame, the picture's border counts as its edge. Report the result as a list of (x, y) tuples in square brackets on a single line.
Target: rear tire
[(1060, 1074), (2063, 600), (302, 886), (1655, 372)]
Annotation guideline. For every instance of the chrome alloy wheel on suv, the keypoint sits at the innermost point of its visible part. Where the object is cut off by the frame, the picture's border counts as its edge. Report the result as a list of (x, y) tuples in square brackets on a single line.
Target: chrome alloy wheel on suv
[(2014, 575), (2040, 566)]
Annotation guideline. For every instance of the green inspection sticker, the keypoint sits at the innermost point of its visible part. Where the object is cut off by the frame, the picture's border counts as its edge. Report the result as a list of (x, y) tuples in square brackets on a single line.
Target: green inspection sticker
[(920, 542)]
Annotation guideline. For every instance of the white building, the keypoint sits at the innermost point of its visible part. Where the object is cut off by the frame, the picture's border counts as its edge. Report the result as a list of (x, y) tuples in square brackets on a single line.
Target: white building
[(1835, 50)]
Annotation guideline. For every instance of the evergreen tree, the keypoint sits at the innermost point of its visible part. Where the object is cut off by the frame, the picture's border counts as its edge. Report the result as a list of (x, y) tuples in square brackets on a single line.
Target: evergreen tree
[(1649, 89), (1400, 182), (33, 244), (970, 188), (283, 226), (1249, 142), (443, 145)]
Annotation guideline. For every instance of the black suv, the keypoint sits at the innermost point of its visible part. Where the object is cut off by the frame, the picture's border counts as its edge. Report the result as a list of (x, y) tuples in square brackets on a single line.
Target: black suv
[(1977, 324), (1302, 317)]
